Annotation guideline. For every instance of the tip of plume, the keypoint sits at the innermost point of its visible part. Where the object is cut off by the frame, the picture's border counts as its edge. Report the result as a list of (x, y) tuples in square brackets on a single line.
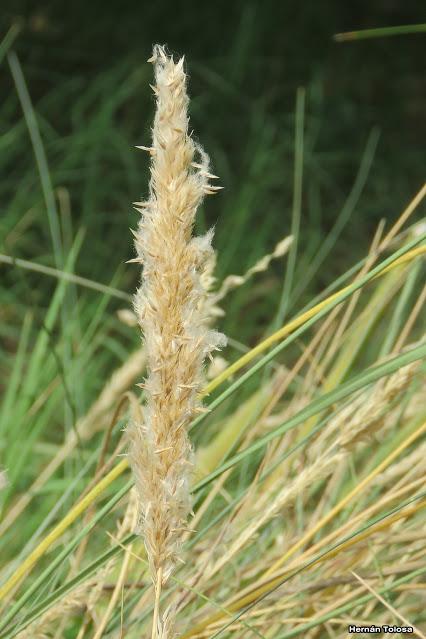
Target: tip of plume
[(158, 53)]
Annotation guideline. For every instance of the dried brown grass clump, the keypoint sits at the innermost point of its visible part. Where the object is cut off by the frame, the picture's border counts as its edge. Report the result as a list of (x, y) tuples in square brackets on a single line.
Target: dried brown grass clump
[(173, 314)]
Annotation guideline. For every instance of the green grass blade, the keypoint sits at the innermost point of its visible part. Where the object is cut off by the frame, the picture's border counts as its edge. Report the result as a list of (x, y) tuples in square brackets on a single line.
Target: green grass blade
[(380, 32), (296, 209), (8, 40), (40, 156)]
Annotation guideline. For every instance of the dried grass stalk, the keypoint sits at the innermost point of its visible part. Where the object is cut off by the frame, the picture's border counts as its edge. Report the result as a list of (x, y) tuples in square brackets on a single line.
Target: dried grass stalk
[(172, 311)]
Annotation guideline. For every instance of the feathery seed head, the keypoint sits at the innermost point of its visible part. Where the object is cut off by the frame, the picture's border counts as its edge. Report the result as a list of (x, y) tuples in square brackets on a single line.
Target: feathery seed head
[(173, 311)]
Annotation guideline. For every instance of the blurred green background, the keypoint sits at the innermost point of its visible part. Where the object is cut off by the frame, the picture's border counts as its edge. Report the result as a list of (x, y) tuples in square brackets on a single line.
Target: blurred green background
[(84, 66)]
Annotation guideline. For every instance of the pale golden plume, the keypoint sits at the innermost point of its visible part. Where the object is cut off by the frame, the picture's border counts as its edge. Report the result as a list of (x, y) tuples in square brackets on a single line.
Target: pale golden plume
[(172, 311)]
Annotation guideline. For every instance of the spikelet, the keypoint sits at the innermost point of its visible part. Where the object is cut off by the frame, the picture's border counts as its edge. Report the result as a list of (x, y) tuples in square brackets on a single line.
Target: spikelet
[(371, 415), (234, 281), (173, 315), (365, 415)]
